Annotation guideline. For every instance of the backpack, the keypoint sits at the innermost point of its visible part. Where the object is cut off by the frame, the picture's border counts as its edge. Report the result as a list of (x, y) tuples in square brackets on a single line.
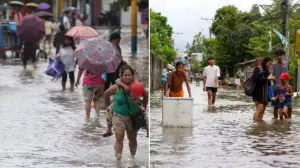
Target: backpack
[(249, 85)]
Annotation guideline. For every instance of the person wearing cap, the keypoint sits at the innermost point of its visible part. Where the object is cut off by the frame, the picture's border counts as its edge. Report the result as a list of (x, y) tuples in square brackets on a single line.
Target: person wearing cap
[(112, 77), (284, 96), (276, 69), (176, 80), (211, 76)]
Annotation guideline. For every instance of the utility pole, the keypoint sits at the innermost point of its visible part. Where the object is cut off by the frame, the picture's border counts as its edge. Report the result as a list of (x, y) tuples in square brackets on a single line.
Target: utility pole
[(285, 26), (133, 26), (209, 20)]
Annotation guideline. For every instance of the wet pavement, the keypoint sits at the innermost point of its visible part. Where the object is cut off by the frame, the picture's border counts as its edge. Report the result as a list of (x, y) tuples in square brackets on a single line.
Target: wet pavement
[(225, 136), (41, 126)]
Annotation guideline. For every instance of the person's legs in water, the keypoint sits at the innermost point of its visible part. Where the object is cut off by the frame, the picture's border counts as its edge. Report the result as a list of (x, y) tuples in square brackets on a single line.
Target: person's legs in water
[(131, 135), (290, 112), (259, 112), (109, 114), (33, 56), (281, 115), (72, 79), (119, 128), (25, 57), (97, 92), (285, 112), (88, 97), (214, 94), (210, 96), (64, 80)]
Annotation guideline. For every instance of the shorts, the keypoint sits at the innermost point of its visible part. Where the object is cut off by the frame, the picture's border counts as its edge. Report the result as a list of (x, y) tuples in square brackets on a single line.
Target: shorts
[(176, 94), (122, 123), (214, 90), (163, 82), (92, 92)]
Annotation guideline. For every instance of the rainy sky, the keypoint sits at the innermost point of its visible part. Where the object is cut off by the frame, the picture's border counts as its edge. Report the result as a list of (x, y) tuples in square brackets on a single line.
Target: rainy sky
[(185, 15)]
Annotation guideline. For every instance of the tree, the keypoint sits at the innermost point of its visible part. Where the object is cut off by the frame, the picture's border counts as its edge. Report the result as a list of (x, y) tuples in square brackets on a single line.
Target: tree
[(160, 31)]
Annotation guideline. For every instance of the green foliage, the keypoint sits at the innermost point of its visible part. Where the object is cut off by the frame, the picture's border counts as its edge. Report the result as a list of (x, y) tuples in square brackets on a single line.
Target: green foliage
[(160, 31)]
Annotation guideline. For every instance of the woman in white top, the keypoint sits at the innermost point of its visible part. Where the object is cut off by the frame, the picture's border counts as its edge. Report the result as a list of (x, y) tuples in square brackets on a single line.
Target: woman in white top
[(66, 56), (237, 82)]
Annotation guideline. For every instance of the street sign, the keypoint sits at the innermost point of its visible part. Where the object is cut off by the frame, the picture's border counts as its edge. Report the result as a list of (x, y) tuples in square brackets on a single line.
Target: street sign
[(297, 47)]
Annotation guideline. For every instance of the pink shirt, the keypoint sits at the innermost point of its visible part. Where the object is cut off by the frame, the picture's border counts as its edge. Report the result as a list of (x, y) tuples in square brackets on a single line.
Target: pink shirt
[(91, 79), (18, 17)]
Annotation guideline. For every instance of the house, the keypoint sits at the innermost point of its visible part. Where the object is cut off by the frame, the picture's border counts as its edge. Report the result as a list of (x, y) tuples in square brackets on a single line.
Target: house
[(245, 69)]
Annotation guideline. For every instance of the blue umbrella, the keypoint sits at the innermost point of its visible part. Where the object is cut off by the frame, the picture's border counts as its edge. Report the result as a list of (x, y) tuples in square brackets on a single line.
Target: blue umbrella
[(44, 6)]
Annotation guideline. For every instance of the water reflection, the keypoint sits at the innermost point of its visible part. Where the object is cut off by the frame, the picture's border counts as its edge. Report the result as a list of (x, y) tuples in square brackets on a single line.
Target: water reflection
[(225, 136)]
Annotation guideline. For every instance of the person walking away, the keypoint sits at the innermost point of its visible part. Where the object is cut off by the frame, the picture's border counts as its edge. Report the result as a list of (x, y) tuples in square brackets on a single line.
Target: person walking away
[(92, 90), (277, 69), (191, 78), (29, 54), (112, 77), (211, 76), (176, 80), (284, 96), (59, 38), (49, 28), (121, 119), (260, 90), (164, 77), (66, 56), (66, 20), (238, 83)]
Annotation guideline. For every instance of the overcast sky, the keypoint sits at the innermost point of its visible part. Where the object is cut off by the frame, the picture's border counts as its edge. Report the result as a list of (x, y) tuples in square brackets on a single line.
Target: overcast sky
[(185, 15)]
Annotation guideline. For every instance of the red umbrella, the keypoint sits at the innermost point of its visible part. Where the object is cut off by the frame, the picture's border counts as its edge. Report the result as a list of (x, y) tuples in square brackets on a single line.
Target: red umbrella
[(31, 29)]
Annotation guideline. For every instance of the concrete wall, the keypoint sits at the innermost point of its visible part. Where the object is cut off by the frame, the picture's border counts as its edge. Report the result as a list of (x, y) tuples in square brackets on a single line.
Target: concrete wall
[(155, 73), (126, 17)]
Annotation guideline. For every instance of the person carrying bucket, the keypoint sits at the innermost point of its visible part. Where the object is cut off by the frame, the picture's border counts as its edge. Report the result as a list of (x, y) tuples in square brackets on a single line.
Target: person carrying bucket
[(176, 80)]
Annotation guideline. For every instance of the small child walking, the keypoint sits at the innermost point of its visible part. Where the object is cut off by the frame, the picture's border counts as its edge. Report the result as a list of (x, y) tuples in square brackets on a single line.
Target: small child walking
[(284, 96), (238, 83)]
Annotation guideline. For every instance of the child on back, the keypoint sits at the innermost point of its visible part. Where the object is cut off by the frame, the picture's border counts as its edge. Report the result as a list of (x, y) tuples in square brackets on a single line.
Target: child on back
[(284, 96), (109, 112)]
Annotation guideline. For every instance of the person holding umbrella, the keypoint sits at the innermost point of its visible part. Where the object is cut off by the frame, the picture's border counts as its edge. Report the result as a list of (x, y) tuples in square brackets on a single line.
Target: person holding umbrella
[(112, 77), (66, 20), (59, 38)]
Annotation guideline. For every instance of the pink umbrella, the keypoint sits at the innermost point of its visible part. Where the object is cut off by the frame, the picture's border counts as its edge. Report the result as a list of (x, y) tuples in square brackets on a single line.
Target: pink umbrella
[(31, 29), (98, 56), (83, 32)]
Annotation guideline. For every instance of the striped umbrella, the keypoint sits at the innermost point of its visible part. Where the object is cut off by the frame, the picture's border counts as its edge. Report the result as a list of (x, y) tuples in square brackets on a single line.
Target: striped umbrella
[(82, 32)]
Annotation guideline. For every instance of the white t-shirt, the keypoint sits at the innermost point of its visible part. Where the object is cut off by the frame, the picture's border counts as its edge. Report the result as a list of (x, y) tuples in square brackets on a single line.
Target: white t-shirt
[(211, 73), (67, 23), (237, 81)]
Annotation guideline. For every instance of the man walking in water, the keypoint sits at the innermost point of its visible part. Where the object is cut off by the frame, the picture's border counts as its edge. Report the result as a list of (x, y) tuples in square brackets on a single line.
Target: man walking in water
[(276, 70), (211, 76)]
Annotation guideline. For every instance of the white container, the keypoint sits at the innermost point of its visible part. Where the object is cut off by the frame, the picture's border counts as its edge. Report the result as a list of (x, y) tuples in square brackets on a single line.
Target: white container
[(177, 112)]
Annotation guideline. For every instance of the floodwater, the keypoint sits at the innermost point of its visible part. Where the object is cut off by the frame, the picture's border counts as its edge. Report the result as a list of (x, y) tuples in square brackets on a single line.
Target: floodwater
[(41, 126), (225, 136)]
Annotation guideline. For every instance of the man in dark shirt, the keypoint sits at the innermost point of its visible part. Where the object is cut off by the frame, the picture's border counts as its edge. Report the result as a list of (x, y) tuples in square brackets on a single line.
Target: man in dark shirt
[(277, 68)]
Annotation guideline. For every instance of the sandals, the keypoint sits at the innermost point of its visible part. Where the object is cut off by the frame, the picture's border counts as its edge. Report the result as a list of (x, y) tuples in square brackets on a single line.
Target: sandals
[(107, 134)]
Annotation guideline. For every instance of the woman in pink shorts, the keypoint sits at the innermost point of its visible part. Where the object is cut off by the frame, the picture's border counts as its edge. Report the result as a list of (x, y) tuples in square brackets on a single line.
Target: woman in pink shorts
[(93, 88)]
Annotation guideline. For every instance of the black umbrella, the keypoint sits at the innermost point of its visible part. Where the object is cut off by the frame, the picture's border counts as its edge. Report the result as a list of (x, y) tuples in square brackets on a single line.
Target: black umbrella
[(3, 8), (43, 14), (70, 9)]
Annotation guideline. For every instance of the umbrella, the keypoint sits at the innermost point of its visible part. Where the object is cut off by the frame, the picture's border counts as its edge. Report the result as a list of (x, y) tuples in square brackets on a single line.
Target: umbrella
[(16, 3), (82, 31), (31, 29), (98, 56), (44, 6), (43, 14), (32, 5), (3, 8), (70, 9)]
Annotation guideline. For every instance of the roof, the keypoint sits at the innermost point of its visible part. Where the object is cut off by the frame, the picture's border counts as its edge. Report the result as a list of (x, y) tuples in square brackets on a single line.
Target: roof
[(246, 62)]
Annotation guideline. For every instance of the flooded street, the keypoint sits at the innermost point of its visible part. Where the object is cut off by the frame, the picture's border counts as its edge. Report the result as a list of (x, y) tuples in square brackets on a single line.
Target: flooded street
[(225, 136), (41, 126)]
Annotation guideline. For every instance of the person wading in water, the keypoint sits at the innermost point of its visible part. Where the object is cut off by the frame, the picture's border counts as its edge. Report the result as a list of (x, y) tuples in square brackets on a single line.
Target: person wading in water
[(176, 80)]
